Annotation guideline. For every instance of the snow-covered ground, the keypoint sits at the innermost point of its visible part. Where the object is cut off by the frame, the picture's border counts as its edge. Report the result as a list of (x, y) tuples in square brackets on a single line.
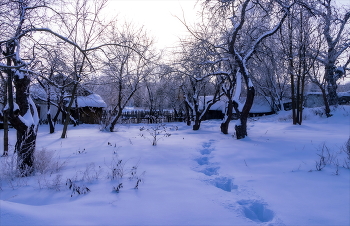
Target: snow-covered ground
[(190, 178)]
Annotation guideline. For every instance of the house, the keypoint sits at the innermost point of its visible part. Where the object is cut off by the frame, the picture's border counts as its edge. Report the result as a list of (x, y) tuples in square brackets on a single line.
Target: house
[(261, 106), (315, 99), (86, 108)]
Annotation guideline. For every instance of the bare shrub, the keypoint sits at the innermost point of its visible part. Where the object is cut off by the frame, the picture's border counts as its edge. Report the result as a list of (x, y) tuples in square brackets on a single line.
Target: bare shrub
[(116, 169), (76, 189), (117, 189), (46, 162), (10, 174), (91, 173), (326, 157), (346, 150), (54, 183), (156, 132)]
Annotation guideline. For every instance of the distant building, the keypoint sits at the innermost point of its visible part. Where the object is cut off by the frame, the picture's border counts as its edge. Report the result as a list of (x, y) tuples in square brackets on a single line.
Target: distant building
[(86, 108), (261, 106), (89, 108), (315, 99)]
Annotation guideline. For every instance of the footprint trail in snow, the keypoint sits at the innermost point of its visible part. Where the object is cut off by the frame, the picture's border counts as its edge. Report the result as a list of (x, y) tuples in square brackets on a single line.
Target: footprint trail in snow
[(243, 201)]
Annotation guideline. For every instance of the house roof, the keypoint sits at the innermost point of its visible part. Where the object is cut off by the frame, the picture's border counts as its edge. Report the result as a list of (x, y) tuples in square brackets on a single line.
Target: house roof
[(340, 94)]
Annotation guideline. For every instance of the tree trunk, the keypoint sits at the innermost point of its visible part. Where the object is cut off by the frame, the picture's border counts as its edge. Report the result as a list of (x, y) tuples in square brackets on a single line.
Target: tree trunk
[(26, 134), (25, 147), (331, 85), (241, 129), (49, 118), (67, 119), (114, 121), (6, 127), (228, 116), (326, 104), (188, 116), (197, 123), (6, 136), (51, 125)]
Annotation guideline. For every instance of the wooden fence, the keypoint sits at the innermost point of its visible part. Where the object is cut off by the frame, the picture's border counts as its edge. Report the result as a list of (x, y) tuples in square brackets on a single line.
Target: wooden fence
[(147, 117)]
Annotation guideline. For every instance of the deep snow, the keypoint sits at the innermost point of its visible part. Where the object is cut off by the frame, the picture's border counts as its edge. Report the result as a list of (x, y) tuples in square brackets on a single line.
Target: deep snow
[(190, 178)]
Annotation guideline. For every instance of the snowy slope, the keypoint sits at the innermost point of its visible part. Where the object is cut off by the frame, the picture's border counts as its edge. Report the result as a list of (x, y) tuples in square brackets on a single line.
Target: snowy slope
[(190, 178)]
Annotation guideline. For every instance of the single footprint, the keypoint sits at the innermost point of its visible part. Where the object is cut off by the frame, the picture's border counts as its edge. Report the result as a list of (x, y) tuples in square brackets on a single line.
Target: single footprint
[(224, 183), (256, 210)]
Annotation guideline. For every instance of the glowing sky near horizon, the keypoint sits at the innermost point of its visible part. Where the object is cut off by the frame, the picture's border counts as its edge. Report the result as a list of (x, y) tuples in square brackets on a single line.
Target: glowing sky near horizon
[(158, 16)]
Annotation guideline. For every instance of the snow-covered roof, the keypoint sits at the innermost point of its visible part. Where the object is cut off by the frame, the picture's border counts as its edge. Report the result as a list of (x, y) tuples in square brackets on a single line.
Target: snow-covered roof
[(218, 106), (340, 94), (260, 104), (344, 94), (93, 100)]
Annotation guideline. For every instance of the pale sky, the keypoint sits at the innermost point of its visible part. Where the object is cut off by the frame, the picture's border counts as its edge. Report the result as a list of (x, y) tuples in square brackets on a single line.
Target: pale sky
[(157, 16)]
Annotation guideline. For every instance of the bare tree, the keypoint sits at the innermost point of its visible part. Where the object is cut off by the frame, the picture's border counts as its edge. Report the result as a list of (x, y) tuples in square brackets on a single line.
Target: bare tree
[(22, 114), (53, 82), (334, 28), (300, 31), (126, 68), (198, 74), (85, 27), (270, 74), (250, 23), (23, 19)]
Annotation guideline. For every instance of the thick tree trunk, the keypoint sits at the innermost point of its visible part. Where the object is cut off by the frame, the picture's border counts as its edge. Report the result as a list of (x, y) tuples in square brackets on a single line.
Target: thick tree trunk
[(197, 123), (331, 85), (241, 128), (188, 115), (26, 133), (51, 124), (25, 148)]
